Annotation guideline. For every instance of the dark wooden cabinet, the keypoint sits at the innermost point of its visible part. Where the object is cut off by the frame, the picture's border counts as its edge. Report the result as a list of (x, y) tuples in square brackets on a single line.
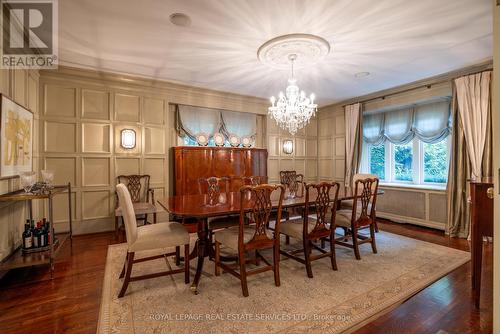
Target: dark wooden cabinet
[(192, 163), (481, 226)]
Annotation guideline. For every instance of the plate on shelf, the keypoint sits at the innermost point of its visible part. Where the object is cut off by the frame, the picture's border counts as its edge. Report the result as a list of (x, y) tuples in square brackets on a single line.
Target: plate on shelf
[(246, 141), (234, 140), (219, 139), (202, 139)]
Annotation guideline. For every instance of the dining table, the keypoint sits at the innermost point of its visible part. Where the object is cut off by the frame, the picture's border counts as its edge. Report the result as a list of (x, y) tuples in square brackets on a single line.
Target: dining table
[(194, 211)]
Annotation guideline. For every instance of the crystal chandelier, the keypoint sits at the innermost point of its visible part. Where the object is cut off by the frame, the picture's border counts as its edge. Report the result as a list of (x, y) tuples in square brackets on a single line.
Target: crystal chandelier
[(293, 110)]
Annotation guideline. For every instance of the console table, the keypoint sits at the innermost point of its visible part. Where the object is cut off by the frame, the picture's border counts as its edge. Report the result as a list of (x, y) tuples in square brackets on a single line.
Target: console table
[(17, 259)]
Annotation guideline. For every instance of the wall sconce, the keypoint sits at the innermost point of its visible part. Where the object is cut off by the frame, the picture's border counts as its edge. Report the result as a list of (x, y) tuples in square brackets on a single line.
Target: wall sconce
[(288, 146), (128, 138)]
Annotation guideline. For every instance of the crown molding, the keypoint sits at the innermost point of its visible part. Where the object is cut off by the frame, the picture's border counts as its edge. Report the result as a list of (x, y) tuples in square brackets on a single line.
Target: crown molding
[(445, 77), (141, 83)]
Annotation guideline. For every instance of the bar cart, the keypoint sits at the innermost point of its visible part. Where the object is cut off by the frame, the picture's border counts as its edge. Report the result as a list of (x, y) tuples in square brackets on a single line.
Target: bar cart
[(18, 259)]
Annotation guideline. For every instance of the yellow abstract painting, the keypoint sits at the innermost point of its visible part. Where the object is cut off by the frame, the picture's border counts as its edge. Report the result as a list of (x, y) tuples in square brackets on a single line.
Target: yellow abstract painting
[(16, 138)]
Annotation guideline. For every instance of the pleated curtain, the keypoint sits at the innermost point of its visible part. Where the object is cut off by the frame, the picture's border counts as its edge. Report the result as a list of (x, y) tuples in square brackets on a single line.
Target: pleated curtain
[(473, 89), (353, 141), (192, 121), (429, 122)]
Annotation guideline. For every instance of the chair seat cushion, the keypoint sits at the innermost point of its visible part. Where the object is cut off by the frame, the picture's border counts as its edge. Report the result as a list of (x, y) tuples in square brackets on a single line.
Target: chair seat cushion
[(160, 235), (293, 228), (343, 217), (229, 236), (140, 208)]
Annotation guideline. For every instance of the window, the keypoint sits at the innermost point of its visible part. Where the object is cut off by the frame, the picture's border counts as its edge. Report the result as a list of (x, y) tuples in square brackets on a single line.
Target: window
[(414, 163), (408, 144), (377, 160)]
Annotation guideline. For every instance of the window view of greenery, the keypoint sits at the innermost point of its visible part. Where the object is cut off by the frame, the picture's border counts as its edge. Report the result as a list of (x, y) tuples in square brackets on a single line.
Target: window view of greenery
[(435, 162), (377, 161), (403, 158)]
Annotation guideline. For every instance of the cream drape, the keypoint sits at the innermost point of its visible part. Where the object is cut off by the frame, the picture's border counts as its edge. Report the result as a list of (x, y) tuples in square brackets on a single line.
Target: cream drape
[(473, 96), (458, 210), (353, 134)]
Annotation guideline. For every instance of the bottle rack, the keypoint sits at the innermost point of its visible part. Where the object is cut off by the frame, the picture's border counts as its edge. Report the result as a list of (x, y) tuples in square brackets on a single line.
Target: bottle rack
[(18, 258)]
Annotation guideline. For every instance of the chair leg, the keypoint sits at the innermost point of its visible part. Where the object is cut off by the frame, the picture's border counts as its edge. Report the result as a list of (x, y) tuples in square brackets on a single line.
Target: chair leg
[(376, 226), (177, 255), (287, 240), (355, 243), (217, 258), (124, 266), (276, 265), (372, 236), (116, 227), (307, 254), (128, 272), (332, 250), (323, 243), (257, 258), (186, 263), (146, 219), (154, 218), (243, 273)]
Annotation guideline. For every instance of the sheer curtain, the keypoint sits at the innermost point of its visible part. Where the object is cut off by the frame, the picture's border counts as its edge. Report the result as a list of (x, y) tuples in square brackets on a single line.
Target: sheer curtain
[(353, 142), (429, 122), (192, 121), (239, 123)]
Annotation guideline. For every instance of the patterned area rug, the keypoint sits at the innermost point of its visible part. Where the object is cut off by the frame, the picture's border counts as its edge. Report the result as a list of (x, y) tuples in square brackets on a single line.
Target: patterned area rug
[(333, 301)]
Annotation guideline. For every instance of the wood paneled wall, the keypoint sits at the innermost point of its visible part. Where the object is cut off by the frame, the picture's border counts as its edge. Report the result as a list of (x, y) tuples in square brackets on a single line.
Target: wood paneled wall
[(304, 157), (81, 116), (22, 87)]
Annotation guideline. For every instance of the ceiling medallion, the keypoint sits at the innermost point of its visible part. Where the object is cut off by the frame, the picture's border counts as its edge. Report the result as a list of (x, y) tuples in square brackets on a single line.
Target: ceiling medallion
[(309, 50)]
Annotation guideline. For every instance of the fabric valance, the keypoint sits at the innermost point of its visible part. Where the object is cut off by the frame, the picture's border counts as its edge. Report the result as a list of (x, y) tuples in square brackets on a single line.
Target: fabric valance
[(429, 122), (191, 121)]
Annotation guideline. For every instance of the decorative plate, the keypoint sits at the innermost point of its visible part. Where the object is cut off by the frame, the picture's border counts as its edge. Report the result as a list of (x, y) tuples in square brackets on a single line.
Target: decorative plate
[(202, 139), (219, 139), (246, 141), (234, 140)]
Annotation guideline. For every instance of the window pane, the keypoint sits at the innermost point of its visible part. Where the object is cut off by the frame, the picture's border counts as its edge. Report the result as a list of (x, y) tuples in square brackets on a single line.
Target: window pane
[(436, 162), (377, 161), (403, 158)]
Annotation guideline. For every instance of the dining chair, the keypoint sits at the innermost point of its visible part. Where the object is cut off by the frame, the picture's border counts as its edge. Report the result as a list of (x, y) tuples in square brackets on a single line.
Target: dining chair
[(149, 238), (252, 234), (347, 204), (215, 188), (142, 196), (292, 181), (359, 216), (314, 227)]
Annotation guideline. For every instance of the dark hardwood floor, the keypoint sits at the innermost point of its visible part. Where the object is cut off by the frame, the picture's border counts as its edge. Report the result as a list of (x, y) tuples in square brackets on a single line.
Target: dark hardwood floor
[(32, 303)]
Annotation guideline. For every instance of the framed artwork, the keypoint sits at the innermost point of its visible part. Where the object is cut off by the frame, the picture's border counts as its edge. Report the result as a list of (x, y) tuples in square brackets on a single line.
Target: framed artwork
[(16, 138)]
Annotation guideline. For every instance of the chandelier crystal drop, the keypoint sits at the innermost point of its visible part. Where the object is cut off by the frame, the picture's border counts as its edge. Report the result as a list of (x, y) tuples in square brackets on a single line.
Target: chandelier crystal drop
[(293, 110)]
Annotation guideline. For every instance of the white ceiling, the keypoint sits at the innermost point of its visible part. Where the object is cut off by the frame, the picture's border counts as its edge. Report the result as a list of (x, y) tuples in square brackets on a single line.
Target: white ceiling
[(397, 41)]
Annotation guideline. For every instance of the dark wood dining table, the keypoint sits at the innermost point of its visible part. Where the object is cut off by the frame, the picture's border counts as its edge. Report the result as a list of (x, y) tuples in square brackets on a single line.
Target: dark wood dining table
[(196, 209)]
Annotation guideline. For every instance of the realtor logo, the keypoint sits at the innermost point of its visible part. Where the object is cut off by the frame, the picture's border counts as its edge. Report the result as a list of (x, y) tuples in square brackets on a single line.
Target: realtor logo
[(29, 34)]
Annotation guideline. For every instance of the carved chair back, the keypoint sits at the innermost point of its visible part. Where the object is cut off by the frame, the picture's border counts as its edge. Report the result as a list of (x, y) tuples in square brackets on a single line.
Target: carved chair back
[(254, 180), (365, 198), (323, 196), (291, 180), (213, 186), (256, 207), (137, 185)]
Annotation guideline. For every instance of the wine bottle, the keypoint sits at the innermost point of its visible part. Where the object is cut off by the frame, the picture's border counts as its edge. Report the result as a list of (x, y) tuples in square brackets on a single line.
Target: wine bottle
[(36, 238), (27, 237)]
